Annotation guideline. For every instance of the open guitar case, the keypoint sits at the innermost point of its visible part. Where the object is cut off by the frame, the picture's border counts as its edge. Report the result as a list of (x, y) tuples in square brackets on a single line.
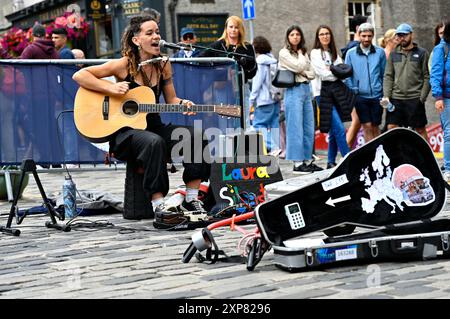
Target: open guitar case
[(390, 189)]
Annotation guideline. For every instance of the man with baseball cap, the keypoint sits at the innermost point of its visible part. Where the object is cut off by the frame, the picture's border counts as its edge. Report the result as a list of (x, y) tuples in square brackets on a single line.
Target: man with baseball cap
[(188, 37), (40, 48), (406, 83)]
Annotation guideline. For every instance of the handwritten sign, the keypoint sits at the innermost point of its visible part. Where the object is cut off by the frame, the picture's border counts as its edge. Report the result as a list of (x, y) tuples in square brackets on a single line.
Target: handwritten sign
[(234, 183)]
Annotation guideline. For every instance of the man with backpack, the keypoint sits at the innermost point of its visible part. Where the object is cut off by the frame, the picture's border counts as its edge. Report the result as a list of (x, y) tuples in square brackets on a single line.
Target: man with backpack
[(440, 88)]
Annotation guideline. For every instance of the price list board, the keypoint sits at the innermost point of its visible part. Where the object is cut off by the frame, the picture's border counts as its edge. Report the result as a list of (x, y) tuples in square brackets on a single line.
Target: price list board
[(207, 27)]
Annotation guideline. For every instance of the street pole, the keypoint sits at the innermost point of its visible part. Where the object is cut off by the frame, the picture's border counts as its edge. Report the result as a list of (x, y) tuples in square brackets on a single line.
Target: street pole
[(252, 33), (116, 6)]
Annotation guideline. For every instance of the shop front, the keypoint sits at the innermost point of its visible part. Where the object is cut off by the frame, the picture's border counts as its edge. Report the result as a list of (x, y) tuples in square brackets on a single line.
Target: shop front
[(105, 19)]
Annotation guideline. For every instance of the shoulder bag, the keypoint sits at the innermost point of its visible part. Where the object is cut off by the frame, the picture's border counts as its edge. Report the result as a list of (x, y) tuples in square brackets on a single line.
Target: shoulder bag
[(283, 79)]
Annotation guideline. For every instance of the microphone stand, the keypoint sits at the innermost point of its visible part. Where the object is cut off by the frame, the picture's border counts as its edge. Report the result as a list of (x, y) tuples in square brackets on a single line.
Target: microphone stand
[(234, 54), (241, 72)]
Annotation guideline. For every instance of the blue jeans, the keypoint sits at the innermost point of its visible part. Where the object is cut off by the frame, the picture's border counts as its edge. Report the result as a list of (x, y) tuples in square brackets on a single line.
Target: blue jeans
[(445, 122), (299, 123), (336, 136), (267, 121)]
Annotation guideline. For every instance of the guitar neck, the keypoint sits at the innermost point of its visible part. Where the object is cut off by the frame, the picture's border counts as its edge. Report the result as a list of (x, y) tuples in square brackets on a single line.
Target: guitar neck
[(175, 108)]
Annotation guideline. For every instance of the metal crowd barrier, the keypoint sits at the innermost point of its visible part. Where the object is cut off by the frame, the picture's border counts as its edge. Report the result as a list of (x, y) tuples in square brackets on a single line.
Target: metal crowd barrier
[(35, 94)]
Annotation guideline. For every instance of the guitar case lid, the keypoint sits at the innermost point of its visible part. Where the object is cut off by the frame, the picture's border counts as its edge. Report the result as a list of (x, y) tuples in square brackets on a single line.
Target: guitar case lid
[(393, 179)]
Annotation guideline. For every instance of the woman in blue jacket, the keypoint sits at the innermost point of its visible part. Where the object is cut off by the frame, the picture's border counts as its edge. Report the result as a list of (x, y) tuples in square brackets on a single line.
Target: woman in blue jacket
[(440, 88)]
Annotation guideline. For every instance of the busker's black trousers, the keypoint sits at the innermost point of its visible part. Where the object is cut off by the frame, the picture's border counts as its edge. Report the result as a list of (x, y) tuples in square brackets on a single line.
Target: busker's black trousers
[(152, 148)]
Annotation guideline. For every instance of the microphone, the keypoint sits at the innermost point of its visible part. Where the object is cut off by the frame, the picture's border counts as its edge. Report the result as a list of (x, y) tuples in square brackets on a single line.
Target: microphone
[(164, 44), (154, 60)]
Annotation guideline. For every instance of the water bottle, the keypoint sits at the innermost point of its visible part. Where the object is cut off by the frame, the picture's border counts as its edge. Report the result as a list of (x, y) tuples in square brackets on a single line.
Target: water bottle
[(69, 195), (387, 105)]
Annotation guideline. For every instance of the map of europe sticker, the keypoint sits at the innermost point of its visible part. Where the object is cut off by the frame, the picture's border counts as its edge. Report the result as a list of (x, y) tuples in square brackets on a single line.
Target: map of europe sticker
[(401, 186)]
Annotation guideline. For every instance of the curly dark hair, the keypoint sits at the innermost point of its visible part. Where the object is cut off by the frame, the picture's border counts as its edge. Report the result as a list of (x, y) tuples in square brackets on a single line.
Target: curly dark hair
[(128, 48), (261, 45)]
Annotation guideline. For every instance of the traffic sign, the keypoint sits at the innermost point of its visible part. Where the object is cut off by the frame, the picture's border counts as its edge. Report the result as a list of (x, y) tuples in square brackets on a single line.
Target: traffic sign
[(248, 8)]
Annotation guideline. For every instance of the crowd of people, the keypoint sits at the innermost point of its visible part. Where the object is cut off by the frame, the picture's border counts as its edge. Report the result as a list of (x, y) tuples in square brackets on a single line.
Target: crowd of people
[(357, 84), (395, 75)]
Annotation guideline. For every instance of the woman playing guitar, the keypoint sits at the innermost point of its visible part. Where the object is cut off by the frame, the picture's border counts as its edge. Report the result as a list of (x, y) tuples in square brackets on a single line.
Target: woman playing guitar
[(150, 147)]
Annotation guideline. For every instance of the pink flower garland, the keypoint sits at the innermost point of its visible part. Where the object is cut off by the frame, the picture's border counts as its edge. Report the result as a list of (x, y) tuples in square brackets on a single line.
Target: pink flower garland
[(15, 40)]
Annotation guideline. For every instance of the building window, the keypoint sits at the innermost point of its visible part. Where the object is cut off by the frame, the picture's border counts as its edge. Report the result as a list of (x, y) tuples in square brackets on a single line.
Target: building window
[(364, 8), (103, 38)]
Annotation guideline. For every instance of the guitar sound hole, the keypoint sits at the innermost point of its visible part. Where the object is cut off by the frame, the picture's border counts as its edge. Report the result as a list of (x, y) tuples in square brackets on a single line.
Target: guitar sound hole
[(130, 108)]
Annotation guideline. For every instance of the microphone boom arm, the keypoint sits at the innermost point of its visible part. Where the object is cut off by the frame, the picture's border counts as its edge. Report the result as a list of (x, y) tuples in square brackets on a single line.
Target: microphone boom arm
[(220, 51)]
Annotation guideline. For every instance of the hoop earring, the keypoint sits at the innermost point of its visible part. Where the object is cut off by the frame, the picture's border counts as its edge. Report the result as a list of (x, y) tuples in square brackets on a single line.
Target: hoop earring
[(139, 47)]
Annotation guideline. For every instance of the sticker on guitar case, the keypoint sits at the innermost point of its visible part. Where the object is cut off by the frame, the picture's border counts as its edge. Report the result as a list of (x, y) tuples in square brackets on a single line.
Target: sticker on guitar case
[(406, 185), (328, 255), (335, 183), (382, 187), (415, 187)]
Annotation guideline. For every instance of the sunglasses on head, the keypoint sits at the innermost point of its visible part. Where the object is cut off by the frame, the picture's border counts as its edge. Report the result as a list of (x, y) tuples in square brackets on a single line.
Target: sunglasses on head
[(402, 35), (188, 36)]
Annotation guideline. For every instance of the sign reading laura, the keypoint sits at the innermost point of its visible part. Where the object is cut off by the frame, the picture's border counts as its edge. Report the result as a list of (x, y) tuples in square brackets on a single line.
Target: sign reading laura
[(237, 183)]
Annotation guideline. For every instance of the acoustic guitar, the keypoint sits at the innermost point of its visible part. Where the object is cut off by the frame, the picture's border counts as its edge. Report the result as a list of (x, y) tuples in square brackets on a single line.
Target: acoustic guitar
[(98, 116)]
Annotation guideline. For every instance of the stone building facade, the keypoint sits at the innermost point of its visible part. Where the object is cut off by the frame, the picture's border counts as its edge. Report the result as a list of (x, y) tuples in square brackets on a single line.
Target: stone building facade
[(274, 17)]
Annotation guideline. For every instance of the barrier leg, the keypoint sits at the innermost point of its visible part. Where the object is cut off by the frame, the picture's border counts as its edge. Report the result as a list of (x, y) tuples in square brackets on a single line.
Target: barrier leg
[(9, 189), (29, 165)]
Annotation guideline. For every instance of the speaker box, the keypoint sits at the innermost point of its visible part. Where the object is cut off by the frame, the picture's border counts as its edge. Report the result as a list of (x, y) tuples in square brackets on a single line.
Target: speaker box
[(137, 204)]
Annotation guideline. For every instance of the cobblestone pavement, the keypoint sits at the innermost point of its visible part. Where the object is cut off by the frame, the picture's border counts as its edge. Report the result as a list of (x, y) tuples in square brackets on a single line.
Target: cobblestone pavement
[(113, 263)]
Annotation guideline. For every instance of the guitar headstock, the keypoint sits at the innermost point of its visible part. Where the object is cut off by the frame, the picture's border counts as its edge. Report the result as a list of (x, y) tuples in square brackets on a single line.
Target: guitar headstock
[(228, 110)]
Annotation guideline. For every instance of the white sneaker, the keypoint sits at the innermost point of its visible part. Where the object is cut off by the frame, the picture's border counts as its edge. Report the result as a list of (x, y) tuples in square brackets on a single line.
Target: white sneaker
[(275, 153)]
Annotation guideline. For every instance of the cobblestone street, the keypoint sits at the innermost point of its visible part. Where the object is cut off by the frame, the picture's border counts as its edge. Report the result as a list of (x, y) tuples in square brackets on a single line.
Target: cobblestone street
[(113, 262)]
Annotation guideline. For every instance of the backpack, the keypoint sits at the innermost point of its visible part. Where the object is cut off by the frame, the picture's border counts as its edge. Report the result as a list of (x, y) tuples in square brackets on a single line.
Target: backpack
[(275, 93)]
